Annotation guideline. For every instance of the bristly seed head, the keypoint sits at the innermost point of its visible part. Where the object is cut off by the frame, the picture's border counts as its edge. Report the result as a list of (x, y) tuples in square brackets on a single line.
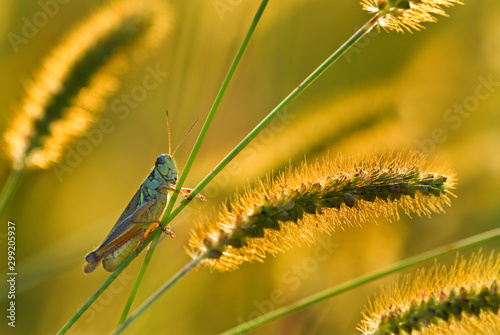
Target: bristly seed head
[(68, 90), (462, 300), (401, 15), (287, 210)]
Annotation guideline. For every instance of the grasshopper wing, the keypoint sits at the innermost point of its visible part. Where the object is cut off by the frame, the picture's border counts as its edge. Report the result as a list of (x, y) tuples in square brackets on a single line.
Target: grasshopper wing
[(116, 233), (119, 226), (122, 224)]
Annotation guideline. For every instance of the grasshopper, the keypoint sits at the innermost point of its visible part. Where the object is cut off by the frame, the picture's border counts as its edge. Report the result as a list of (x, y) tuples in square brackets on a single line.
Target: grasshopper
[(141, 215)]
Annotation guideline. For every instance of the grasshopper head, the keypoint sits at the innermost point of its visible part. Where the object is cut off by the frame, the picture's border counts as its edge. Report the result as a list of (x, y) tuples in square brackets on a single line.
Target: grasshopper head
[(165, 164)]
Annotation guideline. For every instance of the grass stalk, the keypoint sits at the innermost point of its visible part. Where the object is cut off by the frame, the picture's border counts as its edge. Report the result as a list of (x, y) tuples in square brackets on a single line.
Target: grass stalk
[(145, 305), (10, 188), (166, 217), (333, 291), (365, 29), (97, 293), (135, 288)]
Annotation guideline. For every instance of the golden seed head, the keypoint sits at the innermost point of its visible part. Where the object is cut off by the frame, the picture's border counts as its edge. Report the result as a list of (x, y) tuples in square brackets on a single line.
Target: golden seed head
[(279, 213), (461, 300), (401, 15), (69, 88)]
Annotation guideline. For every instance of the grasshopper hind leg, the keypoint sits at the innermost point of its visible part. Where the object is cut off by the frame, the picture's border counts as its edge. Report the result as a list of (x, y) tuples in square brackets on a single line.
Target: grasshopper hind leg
[(113, 260)]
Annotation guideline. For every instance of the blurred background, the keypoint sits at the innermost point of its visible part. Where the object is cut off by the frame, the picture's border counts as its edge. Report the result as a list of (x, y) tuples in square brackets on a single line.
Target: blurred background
[(401, 91)]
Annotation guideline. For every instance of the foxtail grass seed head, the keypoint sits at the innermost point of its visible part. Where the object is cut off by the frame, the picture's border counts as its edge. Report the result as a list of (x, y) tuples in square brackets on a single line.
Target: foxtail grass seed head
[(67, 92), (462, 300), (287, 210), (401, 15)]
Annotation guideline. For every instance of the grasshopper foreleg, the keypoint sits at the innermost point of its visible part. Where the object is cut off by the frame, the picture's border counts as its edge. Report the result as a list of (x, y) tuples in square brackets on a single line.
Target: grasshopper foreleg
[(167, 230), (183, 191)]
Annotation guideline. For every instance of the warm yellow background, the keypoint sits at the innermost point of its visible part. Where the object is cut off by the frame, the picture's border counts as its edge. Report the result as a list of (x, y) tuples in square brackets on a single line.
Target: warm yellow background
[(393, 93)]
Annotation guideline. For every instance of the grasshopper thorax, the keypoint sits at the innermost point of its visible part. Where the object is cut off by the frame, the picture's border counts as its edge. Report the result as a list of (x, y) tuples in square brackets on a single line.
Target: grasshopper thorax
[(166, 166)]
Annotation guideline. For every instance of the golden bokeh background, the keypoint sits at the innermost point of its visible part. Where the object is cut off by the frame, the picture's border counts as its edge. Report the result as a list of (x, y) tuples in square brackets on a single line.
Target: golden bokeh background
[(393, 90)]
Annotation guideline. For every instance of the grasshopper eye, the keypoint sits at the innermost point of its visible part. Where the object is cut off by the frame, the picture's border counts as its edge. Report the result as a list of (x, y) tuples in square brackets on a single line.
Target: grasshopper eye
[(160, 160)]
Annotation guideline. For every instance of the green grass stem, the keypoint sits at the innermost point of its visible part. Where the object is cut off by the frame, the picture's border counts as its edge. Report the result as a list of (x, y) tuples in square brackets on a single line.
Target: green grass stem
[(295, 93), (10, 188), (145, 305), (365, 29), (166, 217), (333, 291)]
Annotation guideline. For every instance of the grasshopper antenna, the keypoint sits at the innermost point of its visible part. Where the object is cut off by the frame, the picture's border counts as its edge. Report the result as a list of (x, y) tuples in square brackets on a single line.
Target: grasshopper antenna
[(187, 133), (169, 135)]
